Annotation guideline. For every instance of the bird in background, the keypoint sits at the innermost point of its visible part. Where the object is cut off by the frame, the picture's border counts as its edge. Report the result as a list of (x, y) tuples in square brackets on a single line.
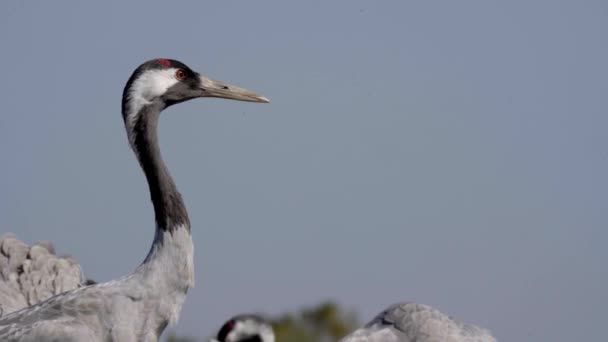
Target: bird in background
[(140, 305), (411, 322), (245, 328)]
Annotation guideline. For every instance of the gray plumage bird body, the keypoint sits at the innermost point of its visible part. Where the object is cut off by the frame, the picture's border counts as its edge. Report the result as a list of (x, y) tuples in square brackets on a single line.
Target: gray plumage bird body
[(31, 274), (136, 307), (139, 306), (410, 322)]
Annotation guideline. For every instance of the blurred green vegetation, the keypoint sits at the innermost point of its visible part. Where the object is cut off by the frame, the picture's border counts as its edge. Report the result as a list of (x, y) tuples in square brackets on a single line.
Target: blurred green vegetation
[(325, 322)]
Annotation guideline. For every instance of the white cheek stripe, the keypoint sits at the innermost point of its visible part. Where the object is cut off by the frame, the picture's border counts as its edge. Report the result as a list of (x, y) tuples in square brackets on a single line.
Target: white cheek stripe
[(148, 86), (250, 328)]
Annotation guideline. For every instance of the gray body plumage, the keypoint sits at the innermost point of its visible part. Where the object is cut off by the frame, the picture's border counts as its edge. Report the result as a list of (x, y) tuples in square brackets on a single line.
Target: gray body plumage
[(31, 274), (139, 306), (136, 307), (410, 322)]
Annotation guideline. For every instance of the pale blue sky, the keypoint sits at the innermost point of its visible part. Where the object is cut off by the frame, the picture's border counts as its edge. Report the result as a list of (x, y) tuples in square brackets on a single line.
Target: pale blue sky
[(452, 153)]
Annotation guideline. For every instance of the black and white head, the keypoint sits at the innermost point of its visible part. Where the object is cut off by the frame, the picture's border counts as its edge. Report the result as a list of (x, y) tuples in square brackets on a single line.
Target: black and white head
[(160, 83), (246, 328)]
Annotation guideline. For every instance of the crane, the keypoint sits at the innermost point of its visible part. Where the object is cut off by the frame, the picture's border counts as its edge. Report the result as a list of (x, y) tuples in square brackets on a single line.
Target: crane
[(140, 305), (411, 322)]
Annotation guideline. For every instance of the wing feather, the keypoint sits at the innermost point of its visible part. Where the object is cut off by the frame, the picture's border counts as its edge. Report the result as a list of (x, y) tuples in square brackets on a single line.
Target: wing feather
[(31, 274)]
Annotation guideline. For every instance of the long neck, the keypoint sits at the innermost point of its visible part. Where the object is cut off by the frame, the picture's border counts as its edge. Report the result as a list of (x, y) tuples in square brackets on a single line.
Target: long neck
[(168, 270), (169, 209)]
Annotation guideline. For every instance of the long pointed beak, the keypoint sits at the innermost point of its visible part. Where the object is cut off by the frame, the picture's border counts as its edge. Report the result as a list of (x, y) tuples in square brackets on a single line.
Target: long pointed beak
[(212, 88)]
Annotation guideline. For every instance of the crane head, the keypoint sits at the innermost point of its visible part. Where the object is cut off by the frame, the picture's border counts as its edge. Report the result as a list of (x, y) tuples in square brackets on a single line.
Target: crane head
[(246, 328), (164, 82)]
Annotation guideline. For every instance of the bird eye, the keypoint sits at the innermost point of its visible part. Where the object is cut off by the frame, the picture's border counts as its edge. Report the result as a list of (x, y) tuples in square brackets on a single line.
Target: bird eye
[(180, 74)]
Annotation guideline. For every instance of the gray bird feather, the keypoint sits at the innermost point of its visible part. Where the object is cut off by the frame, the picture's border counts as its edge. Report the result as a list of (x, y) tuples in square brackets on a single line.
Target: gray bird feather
[(31, 274), (410, 322)]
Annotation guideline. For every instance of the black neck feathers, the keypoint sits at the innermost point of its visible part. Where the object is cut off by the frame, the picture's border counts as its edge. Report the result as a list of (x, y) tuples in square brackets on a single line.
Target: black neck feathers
[(169, 208)]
